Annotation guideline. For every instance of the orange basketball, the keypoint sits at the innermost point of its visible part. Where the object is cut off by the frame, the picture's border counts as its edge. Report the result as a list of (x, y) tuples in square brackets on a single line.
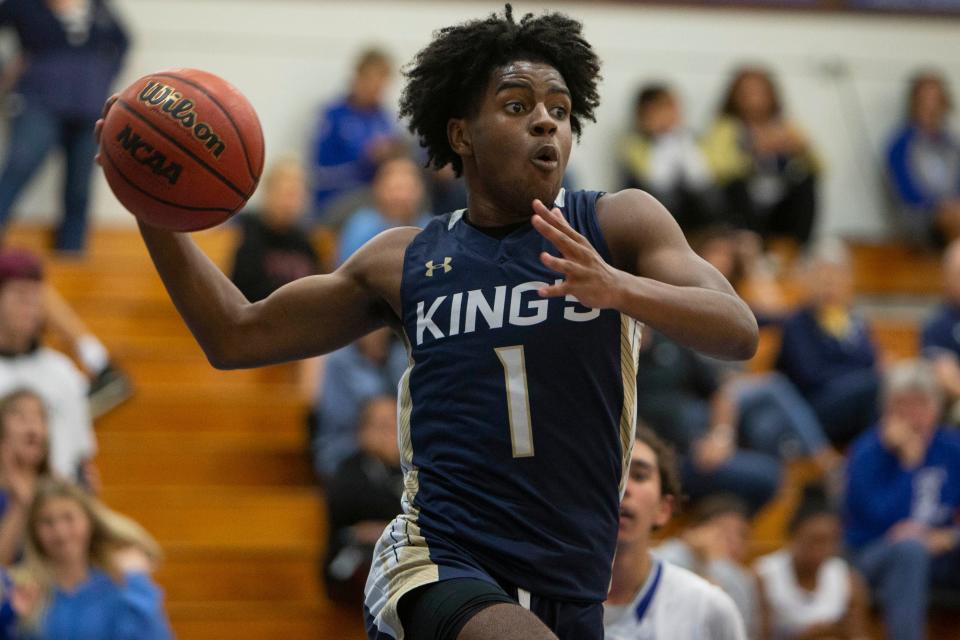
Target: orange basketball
[(182, 149)]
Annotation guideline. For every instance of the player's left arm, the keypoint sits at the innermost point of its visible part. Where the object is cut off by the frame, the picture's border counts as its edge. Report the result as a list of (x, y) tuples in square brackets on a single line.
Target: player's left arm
[(655, 276)]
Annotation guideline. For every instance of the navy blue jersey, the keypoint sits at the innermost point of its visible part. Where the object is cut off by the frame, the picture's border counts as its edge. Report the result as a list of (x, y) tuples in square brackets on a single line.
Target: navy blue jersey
[(517, 414)]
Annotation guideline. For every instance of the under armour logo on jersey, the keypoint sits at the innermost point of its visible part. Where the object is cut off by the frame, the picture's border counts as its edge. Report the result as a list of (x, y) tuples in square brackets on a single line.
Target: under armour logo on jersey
[(445, 266)]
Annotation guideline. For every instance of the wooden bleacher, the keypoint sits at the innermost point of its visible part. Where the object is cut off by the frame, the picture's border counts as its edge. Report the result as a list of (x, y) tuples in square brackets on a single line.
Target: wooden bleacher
[(213, 462)]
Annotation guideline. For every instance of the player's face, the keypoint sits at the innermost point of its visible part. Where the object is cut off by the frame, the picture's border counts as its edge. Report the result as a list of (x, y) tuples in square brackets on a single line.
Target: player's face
[(643, 507), (520, 139)]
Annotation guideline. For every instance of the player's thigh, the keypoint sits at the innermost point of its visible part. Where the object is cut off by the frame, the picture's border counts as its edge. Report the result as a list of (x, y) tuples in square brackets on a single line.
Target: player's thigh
[(505, 622)]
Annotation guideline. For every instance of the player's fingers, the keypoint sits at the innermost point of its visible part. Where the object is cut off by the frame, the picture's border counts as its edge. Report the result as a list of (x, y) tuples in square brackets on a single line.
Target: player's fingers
[(108, 104), (553, 290), (557, 264), (560, 240), (557, 219)]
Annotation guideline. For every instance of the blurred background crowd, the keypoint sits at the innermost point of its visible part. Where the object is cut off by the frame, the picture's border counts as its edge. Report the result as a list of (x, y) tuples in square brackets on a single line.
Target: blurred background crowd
[(820, 481)]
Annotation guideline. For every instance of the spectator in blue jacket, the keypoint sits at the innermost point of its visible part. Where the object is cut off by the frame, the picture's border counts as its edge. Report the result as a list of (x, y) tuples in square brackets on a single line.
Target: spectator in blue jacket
[(71, 51), (902, 501), (923, 165), (86, 572), (397, 202), (827, 351), (352, 376), (354, 134)]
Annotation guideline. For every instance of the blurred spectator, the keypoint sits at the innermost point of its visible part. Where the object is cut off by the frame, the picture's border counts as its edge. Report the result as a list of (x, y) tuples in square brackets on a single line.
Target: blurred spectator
[(397, 202), (274, 248), (923, 166), (809, 590), (71, 51), (649, 597), (764, 164), (738, 255), (355, 133), (25, 363), (661, 156), (370, 367), (940, 340), (827, 350), (685, 402), (363, 496), (109, 385), (903, 499), (715, 546), (86, 572), (24, 448)]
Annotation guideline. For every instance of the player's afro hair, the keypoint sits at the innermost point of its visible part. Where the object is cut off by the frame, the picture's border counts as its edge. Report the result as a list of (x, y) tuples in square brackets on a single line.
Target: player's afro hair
[(449, 76)]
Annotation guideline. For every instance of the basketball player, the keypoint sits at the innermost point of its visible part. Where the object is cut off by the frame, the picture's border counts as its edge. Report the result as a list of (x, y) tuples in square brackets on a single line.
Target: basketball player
[(522, 318), (650, 598)]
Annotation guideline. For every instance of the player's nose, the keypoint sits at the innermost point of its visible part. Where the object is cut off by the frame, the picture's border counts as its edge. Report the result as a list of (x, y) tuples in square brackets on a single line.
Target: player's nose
[(541, 123)]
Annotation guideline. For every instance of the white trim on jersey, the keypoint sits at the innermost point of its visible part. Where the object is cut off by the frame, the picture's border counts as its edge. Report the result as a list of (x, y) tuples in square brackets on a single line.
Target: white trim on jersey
[(677, 604)]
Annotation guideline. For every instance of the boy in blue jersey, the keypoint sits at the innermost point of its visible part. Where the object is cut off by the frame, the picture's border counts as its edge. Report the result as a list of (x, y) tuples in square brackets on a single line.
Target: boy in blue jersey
[(521, 315)]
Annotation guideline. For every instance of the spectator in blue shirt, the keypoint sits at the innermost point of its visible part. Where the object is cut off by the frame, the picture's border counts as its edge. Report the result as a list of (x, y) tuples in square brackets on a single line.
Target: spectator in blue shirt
[(902, 500), (352, 376), (940, 338), (354, 134), (86, 572), (71, 51), (397, 202), (827, 351), (923, 165)]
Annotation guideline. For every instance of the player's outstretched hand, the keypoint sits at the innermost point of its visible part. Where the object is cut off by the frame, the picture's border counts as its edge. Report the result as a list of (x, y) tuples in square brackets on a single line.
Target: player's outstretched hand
[(98, 128), (587, 276)]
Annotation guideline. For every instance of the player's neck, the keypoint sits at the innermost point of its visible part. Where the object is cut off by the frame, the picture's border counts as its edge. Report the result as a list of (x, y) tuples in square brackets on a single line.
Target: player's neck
[(483, 210), (631, 568)]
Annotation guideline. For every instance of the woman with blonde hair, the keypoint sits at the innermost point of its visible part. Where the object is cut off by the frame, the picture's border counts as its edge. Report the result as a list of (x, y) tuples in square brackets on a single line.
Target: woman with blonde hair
[(86, 572)]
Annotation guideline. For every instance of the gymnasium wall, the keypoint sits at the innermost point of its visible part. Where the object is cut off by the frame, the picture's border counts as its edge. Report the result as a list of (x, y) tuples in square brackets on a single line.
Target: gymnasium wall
[(843, 76)]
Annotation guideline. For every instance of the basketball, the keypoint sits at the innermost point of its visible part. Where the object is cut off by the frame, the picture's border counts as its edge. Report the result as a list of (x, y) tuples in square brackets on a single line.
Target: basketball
[(182, 149)]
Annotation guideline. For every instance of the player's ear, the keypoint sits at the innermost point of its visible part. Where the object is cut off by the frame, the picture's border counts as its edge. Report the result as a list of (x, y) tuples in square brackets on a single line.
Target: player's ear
[(458, 135)]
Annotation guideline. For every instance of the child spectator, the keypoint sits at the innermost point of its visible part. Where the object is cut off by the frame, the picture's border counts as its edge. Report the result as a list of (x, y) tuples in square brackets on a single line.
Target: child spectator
[(903, 499), (86, 572), (827, 350), (809, 590), (715, 547), (397, 202), (71, 51), (368, 368), (661, 156), (25, 363), (651, 598), (363, 496), (274, 249), (923, 166), (354, 134), (23, 464), (764, 164)]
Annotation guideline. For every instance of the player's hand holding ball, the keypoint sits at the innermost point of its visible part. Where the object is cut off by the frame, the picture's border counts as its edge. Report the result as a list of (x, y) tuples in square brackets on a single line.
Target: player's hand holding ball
[(182, 149)]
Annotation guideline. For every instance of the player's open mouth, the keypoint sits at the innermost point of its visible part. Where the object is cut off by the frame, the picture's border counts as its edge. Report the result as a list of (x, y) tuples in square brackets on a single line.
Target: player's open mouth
[(546, 157)]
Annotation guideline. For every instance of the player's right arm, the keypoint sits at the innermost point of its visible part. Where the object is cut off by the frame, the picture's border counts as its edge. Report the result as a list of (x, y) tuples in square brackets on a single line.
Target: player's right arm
[(307, 317)]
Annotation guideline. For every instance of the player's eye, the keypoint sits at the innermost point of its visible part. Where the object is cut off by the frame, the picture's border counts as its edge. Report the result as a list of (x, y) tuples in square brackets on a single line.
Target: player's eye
[(559, 113), (515, 107)]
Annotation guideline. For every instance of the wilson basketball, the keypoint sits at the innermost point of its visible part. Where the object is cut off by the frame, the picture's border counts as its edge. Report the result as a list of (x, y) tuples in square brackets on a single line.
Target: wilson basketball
[(182, 149)]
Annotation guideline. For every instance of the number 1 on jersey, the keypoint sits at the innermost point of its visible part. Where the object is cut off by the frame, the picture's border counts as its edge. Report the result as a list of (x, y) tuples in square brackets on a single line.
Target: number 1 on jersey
[(518, 400)]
